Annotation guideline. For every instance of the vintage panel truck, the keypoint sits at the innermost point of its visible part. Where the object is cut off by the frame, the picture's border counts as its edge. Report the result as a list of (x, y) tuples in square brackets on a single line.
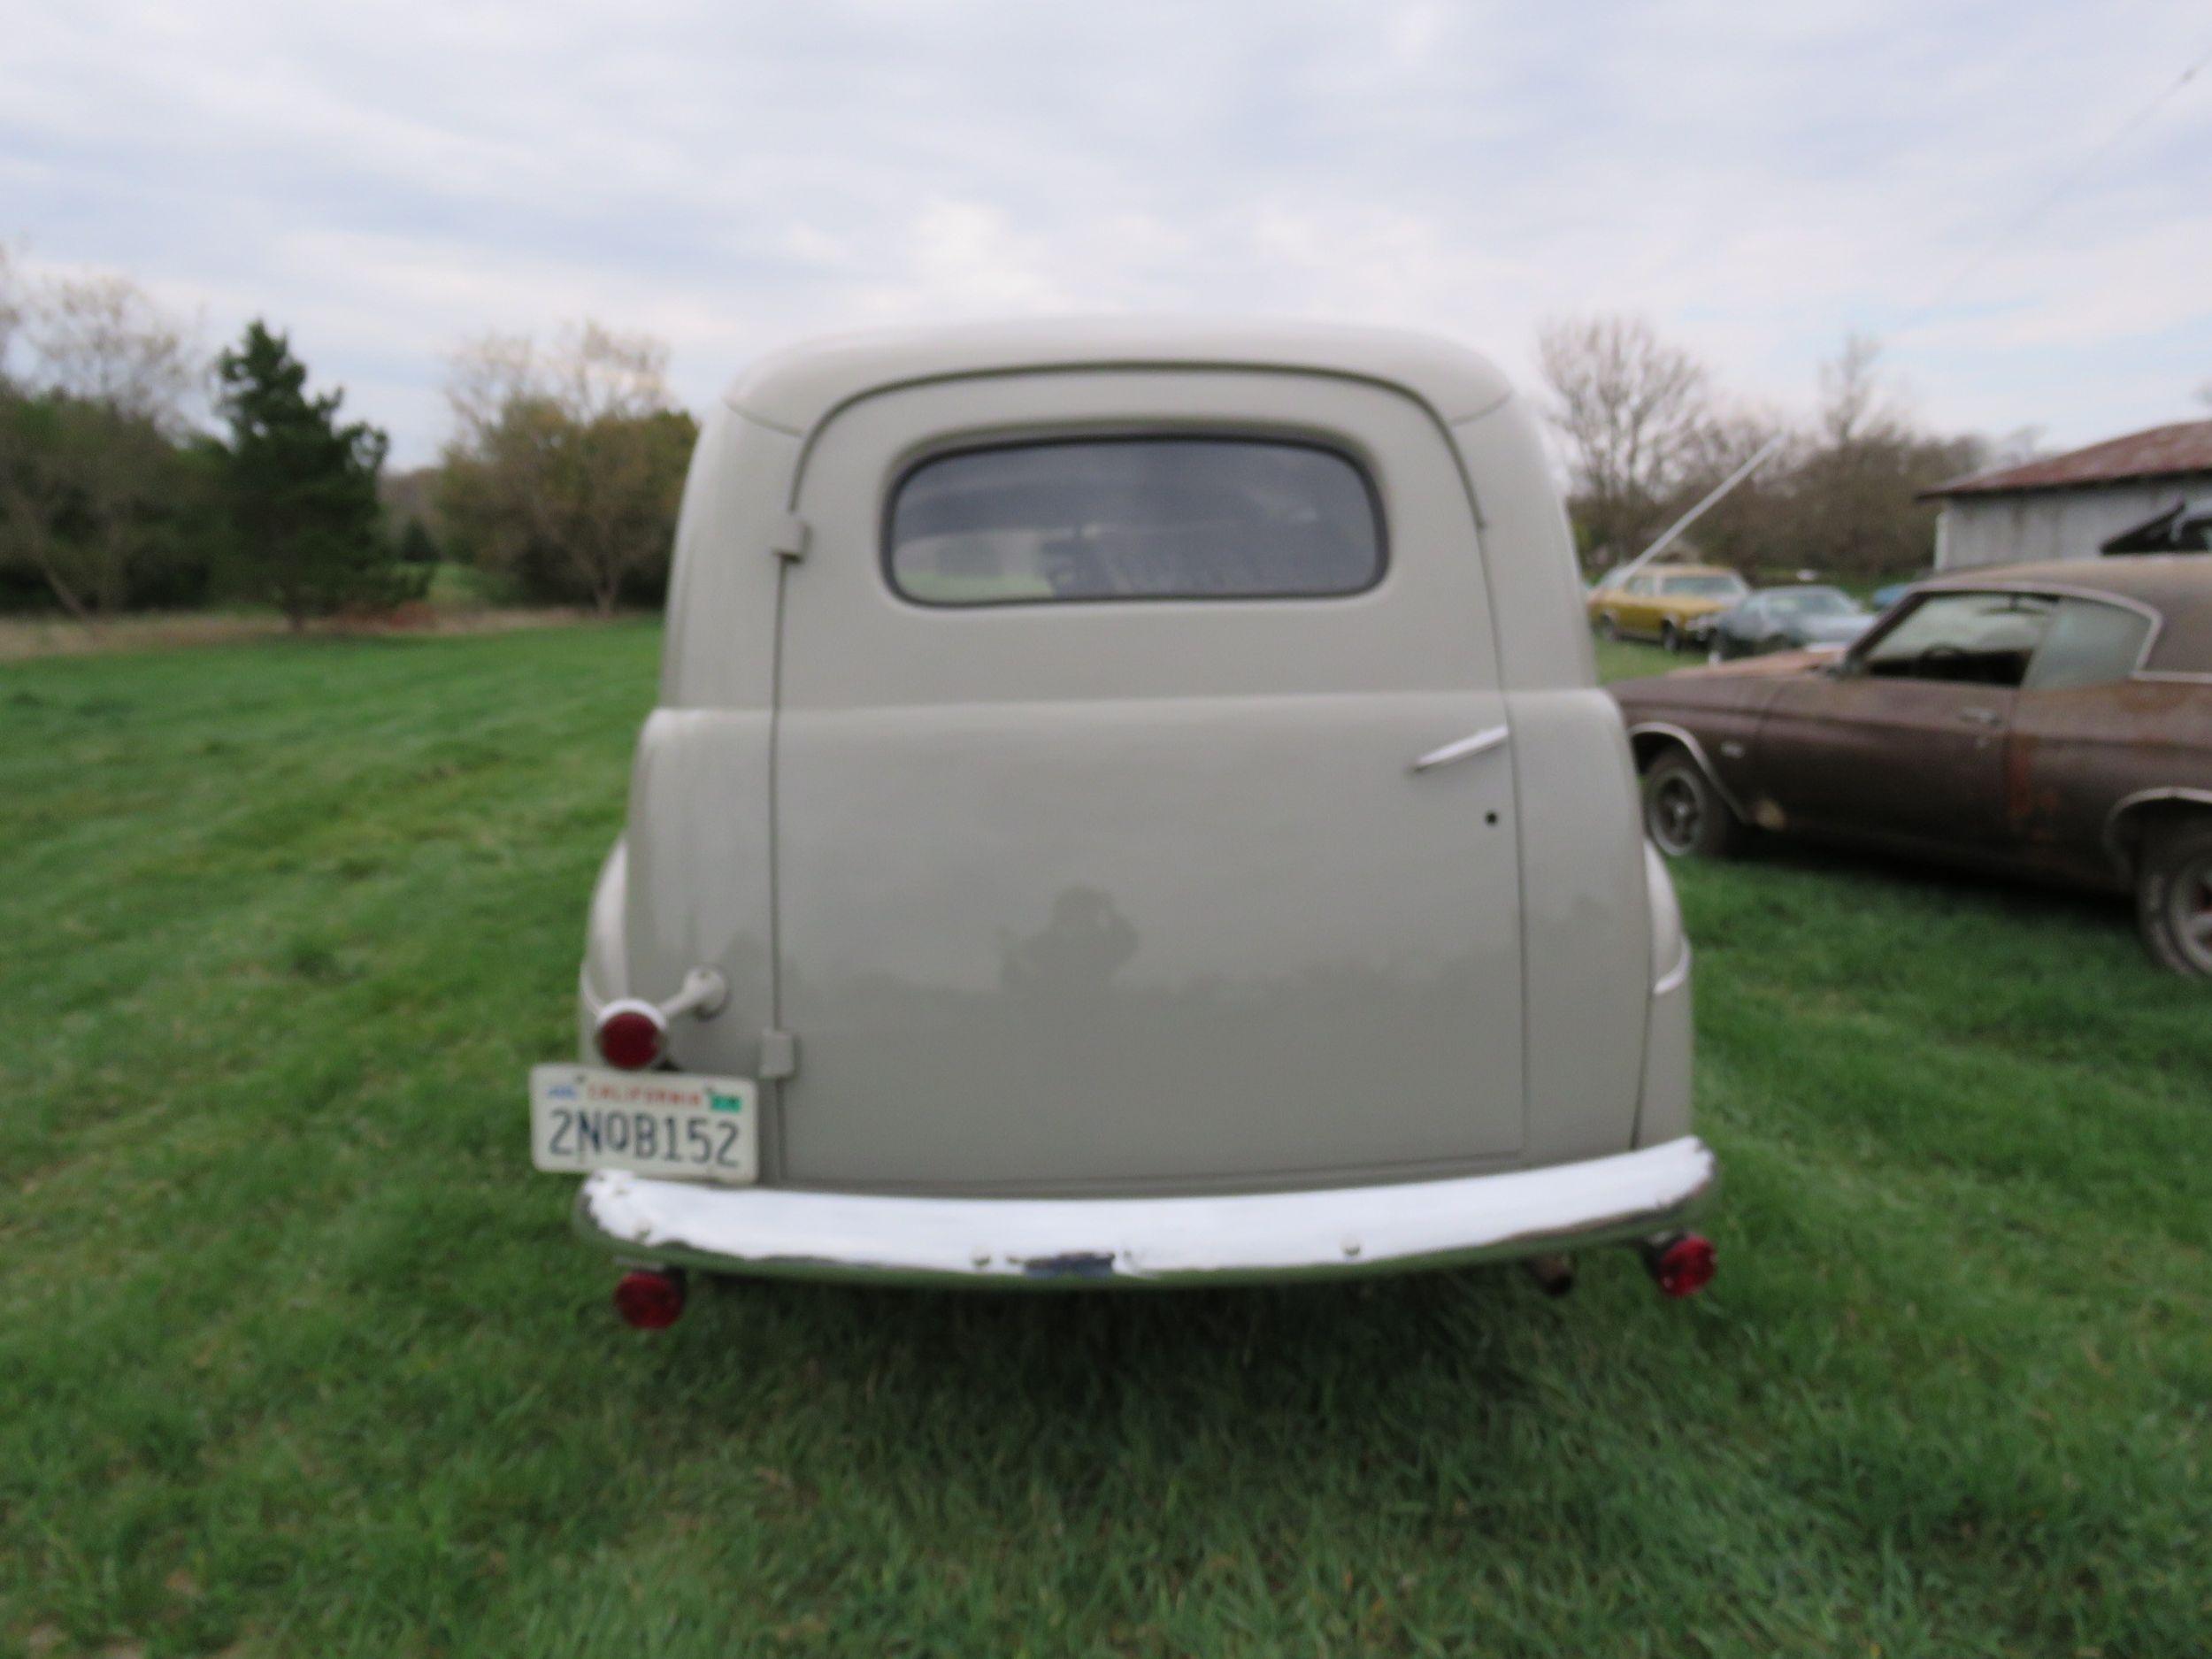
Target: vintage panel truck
[(1128, 803)]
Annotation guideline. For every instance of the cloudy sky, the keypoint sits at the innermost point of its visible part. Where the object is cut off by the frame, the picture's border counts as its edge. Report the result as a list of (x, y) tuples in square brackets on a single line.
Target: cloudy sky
[(386, 181)]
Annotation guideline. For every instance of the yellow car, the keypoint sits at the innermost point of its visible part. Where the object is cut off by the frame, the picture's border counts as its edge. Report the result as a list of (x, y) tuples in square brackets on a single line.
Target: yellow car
[(1675, 604)]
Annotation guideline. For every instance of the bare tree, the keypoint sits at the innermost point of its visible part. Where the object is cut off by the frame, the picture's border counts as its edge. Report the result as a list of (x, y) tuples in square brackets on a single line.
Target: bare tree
[(1632, 410), (570, 456), (1854, 403), (86, 451), (10, 309), (102, 340), (2017, 448), (1854, 491), (1741, 530)]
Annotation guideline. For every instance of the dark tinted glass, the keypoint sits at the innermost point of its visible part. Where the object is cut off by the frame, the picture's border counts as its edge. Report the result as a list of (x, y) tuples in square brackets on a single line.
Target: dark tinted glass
[(1134, 518)]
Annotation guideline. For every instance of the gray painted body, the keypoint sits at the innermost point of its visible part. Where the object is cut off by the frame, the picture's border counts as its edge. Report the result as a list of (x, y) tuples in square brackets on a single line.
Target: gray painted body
[(1125, 899)]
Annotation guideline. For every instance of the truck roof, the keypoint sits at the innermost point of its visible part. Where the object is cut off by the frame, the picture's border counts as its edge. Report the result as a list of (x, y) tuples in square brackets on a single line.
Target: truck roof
[(797, 388)]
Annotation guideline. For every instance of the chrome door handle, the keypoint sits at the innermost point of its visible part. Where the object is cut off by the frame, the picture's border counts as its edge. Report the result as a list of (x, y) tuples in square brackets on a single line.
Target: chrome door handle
[(1981, 717), (1481, 743)]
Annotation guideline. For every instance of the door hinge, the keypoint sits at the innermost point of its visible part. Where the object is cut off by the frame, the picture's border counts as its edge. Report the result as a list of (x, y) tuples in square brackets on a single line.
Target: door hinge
[(790, 538), (779, 1056)]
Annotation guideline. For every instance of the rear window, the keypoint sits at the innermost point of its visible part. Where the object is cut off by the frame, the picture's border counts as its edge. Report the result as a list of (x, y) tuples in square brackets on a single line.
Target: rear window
[(2088, 644), (1134, 518)]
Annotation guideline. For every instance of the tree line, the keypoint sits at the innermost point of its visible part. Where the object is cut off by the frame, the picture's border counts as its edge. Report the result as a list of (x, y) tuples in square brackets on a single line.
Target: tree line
[(113, 495), (1646, 433), (135, 472)]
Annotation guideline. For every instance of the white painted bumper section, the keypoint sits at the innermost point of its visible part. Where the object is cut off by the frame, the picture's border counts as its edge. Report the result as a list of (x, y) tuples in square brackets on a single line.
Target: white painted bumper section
[(1244, 1236)]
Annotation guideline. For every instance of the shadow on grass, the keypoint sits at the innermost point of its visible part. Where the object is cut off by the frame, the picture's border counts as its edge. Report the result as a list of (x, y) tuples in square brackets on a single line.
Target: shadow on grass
[(1135, 1386), (1920, 878)]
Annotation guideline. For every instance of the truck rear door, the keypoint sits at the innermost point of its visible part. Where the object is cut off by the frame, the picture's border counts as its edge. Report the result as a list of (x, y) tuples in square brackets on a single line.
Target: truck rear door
[(1101, 857)]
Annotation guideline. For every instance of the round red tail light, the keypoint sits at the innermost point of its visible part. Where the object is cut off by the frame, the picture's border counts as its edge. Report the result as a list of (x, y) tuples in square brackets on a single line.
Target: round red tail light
[(650, 1298), (630, 1034), (1684, 1267)]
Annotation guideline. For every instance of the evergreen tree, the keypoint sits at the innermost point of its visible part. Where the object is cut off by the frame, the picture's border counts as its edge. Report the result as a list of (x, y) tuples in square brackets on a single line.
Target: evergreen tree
[(416, 545), (302, 488)]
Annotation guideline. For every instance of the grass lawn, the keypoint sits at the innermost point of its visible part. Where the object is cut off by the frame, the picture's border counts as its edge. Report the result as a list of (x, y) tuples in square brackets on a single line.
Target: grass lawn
[(298, 1357), (1626, 659)]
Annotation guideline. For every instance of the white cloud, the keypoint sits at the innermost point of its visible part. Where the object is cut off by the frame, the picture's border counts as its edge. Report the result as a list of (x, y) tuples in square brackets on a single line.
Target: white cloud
[(385, 179)]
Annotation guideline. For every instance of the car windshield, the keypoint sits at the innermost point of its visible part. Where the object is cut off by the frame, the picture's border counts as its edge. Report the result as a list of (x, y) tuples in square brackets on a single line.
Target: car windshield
[(1812, 601), (1703, 586)]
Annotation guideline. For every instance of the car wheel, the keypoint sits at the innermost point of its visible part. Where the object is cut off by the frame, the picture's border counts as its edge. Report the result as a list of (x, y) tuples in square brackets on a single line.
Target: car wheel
[(1669, 636), (2173, 897), (1609, 626), (1683, 812)]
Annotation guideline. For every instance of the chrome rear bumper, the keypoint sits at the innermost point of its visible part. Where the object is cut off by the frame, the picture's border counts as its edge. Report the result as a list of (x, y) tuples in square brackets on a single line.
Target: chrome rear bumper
[(1248, 1236)]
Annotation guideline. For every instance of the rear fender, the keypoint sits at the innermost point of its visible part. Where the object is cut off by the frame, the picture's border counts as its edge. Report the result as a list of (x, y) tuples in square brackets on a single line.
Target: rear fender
[(606, 973), (1663, 1108), (2127, 824), (1586, 918), (1651, 738)]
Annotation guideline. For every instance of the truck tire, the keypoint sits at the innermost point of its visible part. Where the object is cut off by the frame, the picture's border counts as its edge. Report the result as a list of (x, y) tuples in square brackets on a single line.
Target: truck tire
[(2173, 896), (1684, 813)]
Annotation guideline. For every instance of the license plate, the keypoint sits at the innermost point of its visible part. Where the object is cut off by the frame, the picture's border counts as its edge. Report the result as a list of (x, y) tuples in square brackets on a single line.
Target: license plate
[(650, 1123)]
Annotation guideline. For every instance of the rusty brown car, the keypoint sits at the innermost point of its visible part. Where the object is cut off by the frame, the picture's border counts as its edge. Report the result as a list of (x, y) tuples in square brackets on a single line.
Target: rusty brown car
[(2051, 720)]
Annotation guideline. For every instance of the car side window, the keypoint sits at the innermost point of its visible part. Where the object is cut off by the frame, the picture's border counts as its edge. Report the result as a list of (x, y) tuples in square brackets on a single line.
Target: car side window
[(1970, 639), (1702, 587), (2088, 644), (1639, 586), (1134, 518)]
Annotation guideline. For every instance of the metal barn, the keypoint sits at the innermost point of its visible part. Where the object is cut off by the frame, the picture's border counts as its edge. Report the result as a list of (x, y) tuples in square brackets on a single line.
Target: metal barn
[(2147, 492)]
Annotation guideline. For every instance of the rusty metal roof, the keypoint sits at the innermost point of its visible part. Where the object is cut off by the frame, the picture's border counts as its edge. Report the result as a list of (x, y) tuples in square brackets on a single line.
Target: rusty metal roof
[(2172, 451)]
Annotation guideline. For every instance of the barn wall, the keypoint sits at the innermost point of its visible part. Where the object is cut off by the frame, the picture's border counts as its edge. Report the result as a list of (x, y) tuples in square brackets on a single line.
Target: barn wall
[(2071, 523)]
